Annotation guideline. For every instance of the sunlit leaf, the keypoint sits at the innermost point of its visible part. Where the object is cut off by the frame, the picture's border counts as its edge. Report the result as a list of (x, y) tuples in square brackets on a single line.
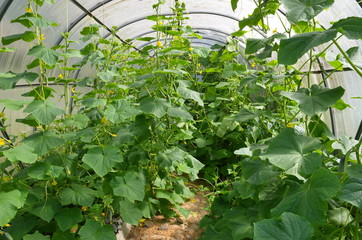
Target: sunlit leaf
[(43, 111), (9, 80), (155, 106), (120, 110), (131, 186), (21, 153), (351, 27), (10, 202), (293, 153), (49, 56), (77, 195), (315, 100), (291, 49), (43, 142), (304, 10), (101, 160), (27, 36)]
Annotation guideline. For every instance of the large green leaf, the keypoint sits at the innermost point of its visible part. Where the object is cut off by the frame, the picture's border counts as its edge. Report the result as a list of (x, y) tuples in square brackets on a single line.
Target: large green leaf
[(131, 186), (93, 102), (120, 110), (49, 56), (351, 27), (315, 100), (13, 104), (293, 48), (10, 202), (174, 159), (101, 160), (36, 236), (257, 172), (311, 199), (43, 111), (46, 209), (27, 36), (43, 142), (155, 106), (289, 227), (22, 153), (351, 190), (77, 195), (179, 112), (187, 93), (68, 217), (21, 225), (93, 230), (304, 10), (293, 153), (9, 80), (234, 4), (39, 21), (130, 212)]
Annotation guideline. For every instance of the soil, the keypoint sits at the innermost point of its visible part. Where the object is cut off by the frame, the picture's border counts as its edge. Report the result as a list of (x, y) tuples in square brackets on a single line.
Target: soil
[(179, 228)]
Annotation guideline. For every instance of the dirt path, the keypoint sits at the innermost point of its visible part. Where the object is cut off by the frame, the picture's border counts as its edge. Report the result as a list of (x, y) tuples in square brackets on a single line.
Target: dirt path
[(180, 228)]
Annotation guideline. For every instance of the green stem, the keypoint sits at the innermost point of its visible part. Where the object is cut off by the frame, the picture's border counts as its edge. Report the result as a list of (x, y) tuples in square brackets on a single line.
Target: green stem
[(347, 58)]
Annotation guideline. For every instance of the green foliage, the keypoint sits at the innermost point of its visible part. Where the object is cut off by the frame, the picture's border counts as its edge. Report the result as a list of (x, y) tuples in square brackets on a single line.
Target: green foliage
[(150, 121), (289, 226), (304, 10)]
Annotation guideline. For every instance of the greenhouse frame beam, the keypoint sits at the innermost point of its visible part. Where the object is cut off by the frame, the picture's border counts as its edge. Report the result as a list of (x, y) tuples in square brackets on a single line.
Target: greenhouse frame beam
[(89, 13), (75, 2), (4, 7)]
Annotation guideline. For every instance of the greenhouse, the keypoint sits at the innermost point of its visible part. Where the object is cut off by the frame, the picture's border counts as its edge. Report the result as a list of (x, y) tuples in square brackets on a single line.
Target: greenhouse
[(180, 119)]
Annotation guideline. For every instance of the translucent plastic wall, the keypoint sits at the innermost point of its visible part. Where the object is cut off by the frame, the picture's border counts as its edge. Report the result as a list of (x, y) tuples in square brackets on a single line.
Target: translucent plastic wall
[(214, 20)]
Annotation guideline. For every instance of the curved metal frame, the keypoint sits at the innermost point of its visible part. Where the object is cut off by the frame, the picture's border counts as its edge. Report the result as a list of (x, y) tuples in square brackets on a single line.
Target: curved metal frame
[(4, 7)]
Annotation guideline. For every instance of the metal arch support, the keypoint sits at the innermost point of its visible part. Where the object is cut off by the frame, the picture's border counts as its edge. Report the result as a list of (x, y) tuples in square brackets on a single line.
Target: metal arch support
[(4, 7), (81, 17), (207, 38)]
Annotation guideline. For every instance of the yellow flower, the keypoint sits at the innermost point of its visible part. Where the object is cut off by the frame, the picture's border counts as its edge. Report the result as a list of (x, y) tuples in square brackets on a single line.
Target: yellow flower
[(113, 57), (7, 225), (159, 44), (73, 89), (41, 37), (190, 49), (68, 171), (142, 220), (152, 59), (110, 91), (96, 218), (175, 37), (160, 23), (275, 30), (200, 72), (104, 120), (253, 64), (103, 214), (290, 125), (60, 76), (198, 65), (2, 114), (54, 183), (84, 209), (5, 179), (29, 10), (2, 141), (113, 135)]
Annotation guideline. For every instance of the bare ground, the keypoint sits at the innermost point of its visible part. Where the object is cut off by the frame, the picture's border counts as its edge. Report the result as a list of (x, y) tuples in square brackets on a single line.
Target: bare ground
[(180, 228)]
